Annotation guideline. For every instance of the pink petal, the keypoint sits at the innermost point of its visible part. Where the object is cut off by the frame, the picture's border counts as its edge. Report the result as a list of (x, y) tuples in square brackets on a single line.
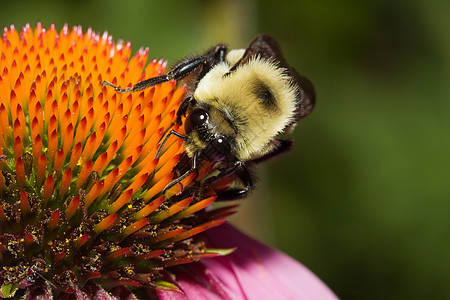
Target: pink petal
[(253, 271)]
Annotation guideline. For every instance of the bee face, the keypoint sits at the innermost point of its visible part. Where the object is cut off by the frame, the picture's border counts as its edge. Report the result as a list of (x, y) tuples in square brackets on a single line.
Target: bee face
[(210, 132)]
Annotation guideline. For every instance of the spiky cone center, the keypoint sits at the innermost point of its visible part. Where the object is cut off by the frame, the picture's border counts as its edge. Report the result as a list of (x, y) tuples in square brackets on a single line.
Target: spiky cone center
[(81, 192)]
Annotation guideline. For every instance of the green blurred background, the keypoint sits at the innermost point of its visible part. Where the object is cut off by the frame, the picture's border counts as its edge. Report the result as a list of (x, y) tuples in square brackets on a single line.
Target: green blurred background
[(364, 198)]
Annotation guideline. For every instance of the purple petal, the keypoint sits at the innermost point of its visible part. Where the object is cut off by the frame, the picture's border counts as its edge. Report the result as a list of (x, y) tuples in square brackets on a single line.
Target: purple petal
[(253, 271)]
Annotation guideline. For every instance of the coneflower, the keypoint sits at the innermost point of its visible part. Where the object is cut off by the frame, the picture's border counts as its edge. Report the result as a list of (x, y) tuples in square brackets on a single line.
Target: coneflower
[(83, 210)]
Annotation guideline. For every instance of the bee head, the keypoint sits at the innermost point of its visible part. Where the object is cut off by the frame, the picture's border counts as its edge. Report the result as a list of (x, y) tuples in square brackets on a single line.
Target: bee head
[(206, 135)]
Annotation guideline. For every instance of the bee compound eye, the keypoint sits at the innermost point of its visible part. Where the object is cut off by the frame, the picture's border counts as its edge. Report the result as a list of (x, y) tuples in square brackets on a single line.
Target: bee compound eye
[(197, 118), (218, 149)]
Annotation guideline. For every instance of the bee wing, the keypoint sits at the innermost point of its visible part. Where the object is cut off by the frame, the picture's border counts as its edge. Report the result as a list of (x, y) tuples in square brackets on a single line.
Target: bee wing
[(262, 46), (266, 47), (306, 96)]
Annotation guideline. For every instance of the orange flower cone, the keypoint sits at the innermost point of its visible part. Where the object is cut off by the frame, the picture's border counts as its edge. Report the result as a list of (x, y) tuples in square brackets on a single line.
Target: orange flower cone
[(81, 191)]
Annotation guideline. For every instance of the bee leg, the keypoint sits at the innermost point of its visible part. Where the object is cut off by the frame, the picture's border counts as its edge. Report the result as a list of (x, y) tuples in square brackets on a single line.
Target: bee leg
[(165, 140), (179, 179), (181, 70), (196, 64), (238, 169), (140, 85)]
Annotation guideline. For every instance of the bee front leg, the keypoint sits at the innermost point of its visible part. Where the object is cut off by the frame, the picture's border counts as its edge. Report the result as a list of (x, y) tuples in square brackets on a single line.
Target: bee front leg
[(165, 140), (179, 179)]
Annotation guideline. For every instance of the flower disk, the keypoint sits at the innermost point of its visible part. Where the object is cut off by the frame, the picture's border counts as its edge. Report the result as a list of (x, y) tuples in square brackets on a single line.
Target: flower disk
[(82, 205)]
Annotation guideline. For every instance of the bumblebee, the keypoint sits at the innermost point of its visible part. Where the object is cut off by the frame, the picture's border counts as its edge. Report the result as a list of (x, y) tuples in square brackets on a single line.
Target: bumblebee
[(238, 104)]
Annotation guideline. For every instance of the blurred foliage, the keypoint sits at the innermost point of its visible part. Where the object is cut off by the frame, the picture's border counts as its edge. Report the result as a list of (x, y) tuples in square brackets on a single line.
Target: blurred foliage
[(363, 200)]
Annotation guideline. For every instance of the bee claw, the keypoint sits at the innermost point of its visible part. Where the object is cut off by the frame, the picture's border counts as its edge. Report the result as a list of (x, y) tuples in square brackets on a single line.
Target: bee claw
[(117, 89)]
